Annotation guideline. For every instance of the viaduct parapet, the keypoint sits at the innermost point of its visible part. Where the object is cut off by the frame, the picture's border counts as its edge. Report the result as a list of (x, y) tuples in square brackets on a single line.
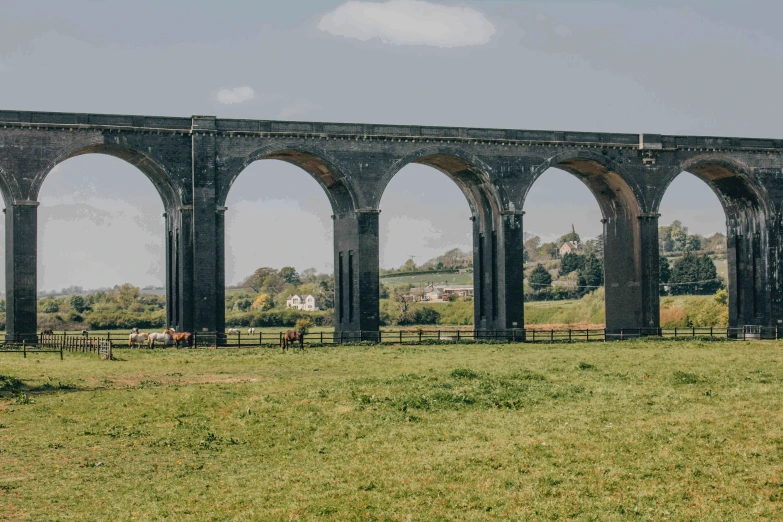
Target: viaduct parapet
[(193, 162)]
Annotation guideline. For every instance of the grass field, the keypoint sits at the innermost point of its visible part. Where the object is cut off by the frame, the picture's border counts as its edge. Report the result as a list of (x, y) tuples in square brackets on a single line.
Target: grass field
[(624, 431), (422, 280)]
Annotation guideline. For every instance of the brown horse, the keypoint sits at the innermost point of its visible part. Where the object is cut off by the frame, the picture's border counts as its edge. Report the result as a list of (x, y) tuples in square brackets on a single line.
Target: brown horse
[(180, 336), (292, 336)]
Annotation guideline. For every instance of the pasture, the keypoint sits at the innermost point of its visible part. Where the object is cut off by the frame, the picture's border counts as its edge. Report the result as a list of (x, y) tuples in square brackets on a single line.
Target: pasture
[(634, 430)]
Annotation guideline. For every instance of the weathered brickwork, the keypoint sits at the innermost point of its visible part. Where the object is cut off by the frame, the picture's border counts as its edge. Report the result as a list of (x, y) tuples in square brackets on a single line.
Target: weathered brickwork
[(193, 162)]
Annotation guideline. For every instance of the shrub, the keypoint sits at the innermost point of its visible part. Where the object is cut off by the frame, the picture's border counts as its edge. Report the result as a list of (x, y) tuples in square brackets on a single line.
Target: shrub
[(304, 324), (674, 317)]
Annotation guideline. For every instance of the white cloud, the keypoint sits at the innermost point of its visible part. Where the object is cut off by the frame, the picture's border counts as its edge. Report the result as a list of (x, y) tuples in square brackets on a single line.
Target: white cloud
[(409, 22), (236, 95)]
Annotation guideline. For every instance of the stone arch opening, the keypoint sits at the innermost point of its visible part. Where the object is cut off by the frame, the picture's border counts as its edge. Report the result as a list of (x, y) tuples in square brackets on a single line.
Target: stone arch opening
[(482, 221), (294, 165), (277, 217), (100, 227), (631, 298), (576, 294), (161, 180), (744, 205), (318, 165)]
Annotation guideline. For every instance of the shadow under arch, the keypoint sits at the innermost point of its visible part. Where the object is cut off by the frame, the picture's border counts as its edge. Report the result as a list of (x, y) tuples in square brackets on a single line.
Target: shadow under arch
[(152, 170), (468, 171), (615, 193), (319, 165), (728, 179)]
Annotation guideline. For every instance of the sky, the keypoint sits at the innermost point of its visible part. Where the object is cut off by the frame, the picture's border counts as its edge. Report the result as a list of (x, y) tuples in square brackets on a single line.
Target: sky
[(708, 67)]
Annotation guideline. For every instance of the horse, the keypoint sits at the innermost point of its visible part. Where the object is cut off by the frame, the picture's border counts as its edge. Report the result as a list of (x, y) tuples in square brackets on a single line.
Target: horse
[(233, 331), (47, 331), (137, 339), (180, 336), (85, 333), (292, 336), (164, 338), (134, 330), (251, 331)]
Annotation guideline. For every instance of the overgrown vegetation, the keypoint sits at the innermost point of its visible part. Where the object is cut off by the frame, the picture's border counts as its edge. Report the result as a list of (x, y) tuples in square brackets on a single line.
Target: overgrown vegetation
[(634, 430)]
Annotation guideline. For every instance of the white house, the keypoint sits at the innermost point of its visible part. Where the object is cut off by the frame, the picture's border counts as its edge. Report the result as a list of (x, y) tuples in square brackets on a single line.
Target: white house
[(308, 302)]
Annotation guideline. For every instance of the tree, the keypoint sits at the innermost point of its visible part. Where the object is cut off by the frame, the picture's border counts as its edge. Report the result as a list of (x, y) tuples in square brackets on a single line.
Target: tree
[(243, 305), (289, 275), (408, 266), (263, 302), (304, 324), (256, 280), (595, 246), (126, 295), (2, 305), (570, 263), (549, 250), (539, 277), (531, 247), (571, 236), (692, 274), (664, 270), (77, 303), (50, 306), (592, 273), (309, 275)]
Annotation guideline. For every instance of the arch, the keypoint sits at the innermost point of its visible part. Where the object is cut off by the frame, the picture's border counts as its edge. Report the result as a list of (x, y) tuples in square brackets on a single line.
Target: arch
[(154, 171), (615, 191), (728, 178), (320, 165), (468, 171)]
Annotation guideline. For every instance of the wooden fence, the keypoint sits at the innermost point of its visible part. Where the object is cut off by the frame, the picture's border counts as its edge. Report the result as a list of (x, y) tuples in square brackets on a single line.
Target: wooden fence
[(78, 343)]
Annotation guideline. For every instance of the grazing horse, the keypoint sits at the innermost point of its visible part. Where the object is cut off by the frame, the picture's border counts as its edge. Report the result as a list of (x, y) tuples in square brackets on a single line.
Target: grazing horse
[(233, 331), (163, 338), (251, 330), (47, 331), (137, 339), (292, 336), (187, 337)]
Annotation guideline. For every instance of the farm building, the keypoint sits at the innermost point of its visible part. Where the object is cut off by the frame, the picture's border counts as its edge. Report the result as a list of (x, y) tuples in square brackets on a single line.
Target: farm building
[(308, 303)]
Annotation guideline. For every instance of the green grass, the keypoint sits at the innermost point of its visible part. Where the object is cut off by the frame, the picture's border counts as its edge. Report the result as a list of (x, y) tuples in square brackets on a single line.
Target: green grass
[(621, 431), (436, 278)]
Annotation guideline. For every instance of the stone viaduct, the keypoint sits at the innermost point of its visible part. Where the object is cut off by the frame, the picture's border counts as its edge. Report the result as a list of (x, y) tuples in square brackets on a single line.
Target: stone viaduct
[(194, 161)]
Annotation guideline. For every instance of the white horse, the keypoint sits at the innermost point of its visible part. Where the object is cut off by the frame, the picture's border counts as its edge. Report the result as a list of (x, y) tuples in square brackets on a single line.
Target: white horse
[(163, 338), (251, 330), (137, 339), (233, 331)]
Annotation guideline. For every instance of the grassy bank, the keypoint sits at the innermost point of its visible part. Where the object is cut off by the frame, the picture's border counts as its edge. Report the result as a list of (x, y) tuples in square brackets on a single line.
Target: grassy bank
[(632, 430)]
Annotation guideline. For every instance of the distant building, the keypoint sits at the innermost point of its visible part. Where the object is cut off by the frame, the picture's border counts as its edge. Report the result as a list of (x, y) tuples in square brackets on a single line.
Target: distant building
[(434, 293), (460, 290), (571, 247), (307, 303)]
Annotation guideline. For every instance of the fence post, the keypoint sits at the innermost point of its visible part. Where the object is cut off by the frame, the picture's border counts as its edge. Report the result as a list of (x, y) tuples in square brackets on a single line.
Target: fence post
[(419, 335), (534, 335), (438, 335), (24, 348), (776, 332), (457, 334), (587, 335), (622, 338), (693, 332), (675, 332), (712, 336), (400, 336), (61, 352), (239, 339), (569, 335)]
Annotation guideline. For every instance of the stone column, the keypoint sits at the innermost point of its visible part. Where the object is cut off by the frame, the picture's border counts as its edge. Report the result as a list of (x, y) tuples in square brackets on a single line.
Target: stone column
[(220, 272), (622, 274), (512, 272), (21, 277), (650, 271), (356, 266), (749, 255), (205, 251)]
